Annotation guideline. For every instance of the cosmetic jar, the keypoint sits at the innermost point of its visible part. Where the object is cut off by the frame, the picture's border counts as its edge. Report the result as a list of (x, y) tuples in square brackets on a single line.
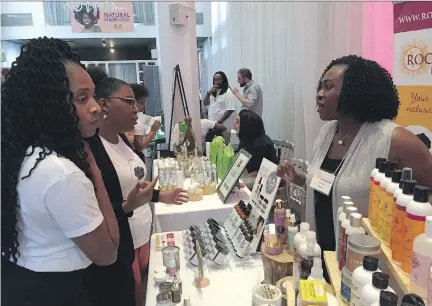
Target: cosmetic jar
[(272, 245), (359, 246), (165, 287), (160, 277), (266, 295), (171, 253), (346, 278), (159, 269), (163, 299)]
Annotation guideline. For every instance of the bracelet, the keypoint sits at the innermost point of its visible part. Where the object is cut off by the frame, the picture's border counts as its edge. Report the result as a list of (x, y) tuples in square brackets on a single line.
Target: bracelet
[(155, 196)]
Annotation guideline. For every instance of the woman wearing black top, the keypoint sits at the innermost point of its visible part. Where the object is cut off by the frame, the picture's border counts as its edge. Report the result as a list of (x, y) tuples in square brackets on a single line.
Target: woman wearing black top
[(251, 133)]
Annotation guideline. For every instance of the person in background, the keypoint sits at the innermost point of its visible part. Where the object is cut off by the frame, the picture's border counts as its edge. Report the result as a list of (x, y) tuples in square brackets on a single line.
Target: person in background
[(207, 127), (141, 128), (359, 100), (122, 171), (252, 97), (252, 136), (53, 224), (221, 101)]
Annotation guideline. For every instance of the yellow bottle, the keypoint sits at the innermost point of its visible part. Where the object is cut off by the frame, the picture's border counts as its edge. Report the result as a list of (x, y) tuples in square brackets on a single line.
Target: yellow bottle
[(373, 187), (383, 202), (387, 219)]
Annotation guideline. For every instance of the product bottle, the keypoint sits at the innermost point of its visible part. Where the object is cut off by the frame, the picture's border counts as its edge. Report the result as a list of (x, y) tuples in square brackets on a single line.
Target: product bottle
[(422, 260), (287, 224), (387, 298), (416, 213), (307, 254), (372, 191), (338, 224), (390, 205), (429, 299), (382, 208), (374, 206), (355, 227), (175, 291), (299, 239), (342, 242), (370, 293), (317, 271), (361, 277), (292, 231), (412, 300), (279, 221), (341, 217), (406, 176), (398, 231)]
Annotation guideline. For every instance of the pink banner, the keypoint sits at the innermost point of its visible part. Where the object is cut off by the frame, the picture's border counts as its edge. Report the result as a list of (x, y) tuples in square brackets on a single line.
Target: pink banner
[(102, 17), (412, 16)]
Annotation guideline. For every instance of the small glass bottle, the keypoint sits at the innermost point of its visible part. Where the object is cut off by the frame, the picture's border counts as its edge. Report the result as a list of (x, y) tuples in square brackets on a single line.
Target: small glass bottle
[(175, 291)]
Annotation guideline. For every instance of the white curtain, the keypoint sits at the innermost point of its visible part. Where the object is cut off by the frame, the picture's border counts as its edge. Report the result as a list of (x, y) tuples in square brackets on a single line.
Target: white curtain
[(125, 72), (286, 45)]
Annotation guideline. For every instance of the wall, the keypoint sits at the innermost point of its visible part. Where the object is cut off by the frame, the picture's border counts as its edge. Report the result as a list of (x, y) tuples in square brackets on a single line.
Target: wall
[(104, 54), (11, 51), (40, 29)]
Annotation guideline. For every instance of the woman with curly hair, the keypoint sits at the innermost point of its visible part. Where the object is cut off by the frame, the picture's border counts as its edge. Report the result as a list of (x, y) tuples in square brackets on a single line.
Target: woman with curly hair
[(53, 225), (88, 16), (121, 282), (360, 101)]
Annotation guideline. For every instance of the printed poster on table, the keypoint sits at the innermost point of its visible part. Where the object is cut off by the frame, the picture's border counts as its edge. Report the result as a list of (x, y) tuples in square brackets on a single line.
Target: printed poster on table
[(262, 198), (101, 17), (413, 67)]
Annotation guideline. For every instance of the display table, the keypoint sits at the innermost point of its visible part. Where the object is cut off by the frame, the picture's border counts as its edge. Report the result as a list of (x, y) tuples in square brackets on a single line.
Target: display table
[(170, 218), (334, 273), (231, 285)]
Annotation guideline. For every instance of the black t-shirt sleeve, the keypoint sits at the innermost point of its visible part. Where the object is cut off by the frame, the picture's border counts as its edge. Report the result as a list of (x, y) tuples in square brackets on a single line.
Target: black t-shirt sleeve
[(258, 152)]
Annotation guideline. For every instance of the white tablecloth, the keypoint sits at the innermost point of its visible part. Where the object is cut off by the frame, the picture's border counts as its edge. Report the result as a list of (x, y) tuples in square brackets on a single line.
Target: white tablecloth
[(170, 218), (229, 286)]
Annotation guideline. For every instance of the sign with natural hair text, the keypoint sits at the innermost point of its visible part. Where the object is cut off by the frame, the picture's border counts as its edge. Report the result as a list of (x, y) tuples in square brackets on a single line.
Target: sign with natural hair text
[(412, 71), (101, 17)]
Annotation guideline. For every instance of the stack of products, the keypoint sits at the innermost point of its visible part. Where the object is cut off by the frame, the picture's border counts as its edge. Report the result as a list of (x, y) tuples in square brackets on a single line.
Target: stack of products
[(399, 211)]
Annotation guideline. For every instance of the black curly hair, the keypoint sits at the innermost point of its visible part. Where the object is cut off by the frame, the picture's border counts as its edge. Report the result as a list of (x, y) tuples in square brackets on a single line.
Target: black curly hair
[(37, 111), (90, 10), (224, 85), (368, 93)]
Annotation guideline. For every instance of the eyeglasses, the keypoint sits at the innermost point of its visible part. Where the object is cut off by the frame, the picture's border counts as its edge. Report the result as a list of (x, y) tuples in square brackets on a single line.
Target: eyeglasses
[(131, 101)]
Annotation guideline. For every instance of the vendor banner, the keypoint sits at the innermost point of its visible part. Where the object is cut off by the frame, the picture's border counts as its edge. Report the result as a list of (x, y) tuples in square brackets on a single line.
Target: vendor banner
[(101, 17), (412, 71)]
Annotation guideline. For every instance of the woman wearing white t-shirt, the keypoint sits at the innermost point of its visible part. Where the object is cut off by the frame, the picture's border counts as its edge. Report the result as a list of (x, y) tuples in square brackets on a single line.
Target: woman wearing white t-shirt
[(53, 224), (123, 169)]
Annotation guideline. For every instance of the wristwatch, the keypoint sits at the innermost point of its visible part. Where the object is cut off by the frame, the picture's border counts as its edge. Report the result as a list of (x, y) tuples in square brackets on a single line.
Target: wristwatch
[(155, 196)]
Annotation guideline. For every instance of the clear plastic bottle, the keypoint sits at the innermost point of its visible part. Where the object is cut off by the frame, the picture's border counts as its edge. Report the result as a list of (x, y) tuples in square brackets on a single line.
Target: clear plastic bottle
[(390, 205), (377, 193), (341, 218), (361, 277), (370, 293), (292, 231), (422, 261), (299, 239), (398, 231), (387, 298), (416, 213), (338, 224), (382, 208), (373, 187), (342, 239), (317, 270)]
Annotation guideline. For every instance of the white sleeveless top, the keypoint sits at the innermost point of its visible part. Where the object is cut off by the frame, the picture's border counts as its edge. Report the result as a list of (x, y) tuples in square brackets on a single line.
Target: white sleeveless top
[(372, 141)]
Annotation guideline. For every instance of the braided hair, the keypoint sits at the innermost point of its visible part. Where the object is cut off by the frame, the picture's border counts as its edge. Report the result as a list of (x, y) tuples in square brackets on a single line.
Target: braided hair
[(37, 111), (368, 93)]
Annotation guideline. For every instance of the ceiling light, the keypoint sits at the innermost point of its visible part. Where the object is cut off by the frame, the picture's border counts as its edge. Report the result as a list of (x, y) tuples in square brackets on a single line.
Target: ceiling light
[(112, 44), (112, 50)]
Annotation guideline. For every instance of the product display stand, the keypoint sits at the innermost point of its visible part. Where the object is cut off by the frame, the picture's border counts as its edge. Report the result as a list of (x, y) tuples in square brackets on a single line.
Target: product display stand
[(276, 266), (288, 298), (335, 275), (200, 281), (386, 257)]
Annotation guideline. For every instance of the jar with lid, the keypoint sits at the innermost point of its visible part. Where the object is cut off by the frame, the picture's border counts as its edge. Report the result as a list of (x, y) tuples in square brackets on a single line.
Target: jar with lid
[(360, 246)]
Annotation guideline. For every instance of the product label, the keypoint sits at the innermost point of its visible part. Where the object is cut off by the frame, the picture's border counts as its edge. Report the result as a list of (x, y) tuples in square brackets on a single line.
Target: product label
[(414, 226), (372, 212), (355, 294), (420, 270), (279, 221), (381, 209), (387, 218), (392, 223), (342, 248), (398, 234), (345, 291)]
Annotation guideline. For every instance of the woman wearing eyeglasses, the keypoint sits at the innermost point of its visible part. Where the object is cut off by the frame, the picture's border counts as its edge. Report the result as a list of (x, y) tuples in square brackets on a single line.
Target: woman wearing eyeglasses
[(122, 170)]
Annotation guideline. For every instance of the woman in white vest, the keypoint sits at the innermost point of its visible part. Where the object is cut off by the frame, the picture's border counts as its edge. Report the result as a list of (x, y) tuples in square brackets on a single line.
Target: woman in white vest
[(360, 101)]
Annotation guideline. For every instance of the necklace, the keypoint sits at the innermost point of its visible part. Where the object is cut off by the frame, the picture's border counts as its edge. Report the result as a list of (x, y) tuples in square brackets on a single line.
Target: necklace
[(340, 141)]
